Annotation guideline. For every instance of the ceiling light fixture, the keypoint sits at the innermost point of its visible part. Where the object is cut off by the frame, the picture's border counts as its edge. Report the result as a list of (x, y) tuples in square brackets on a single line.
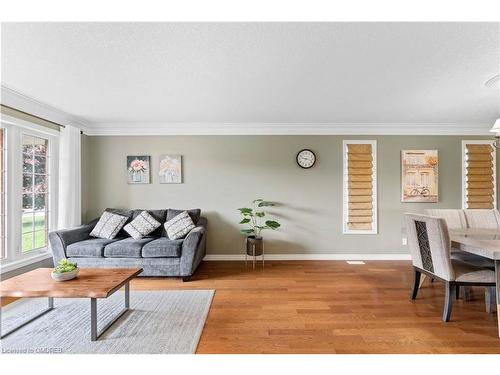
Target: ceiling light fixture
[(496, 129)]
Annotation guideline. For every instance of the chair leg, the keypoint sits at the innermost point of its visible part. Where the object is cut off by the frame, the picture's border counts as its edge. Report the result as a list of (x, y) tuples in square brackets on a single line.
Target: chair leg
[(466, 293), (448, 300), (422, 280), (416, 283), (457, 292), (490, 299)]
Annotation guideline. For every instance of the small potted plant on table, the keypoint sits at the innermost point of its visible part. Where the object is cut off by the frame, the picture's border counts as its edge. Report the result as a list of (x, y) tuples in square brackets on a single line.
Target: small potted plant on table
[(65, 270), (254, 218)]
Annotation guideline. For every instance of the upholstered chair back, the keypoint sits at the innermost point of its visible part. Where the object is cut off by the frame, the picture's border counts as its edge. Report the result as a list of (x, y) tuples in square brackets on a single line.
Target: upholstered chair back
[(455, 219), (430, 245), (483, 219)]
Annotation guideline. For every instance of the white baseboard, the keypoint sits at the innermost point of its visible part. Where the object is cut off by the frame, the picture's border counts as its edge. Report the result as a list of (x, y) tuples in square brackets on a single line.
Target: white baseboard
[(240, 257)]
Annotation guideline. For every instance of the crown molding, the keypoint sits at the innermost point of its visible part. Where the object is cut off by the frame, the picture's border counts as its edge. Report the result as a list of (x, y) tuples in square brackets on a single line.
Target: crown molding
[(25, 103), (15, 99), (165, 128)]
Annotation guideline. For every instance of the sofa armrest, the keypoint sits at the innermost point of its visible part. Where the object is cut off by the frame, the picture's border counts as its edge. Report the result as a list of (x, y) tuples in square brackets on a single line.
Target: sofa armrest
[(193, 249), (60, 239)]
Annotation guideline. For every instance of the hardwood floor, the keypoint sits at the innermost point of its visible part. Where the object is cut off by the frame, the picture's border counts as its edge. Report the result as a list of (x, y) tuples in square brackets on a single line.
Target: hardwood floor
[(331, 307)]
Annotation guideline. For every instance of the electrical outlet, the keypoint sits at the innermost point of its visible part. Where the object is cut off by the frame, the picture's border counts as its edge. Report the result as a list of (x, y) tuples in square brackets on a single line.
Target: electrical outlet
[(404, 241)]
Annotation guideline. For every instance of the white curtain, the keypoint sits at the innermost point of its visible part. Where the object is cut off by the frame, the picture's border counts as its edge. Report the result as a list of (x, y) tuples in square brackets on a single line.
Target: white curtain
[(69, 205)]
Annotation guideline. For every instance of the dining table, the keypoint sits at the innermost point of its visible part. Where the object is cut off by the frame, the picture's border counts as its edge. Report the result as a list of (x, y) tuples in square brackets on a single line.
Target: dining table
[(485, 243)]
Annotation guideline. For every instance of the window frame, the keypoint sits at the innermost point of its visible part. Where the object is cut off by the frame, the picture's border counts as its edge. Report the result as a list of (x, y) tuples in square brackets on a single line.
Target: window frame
[(345, 187), (466, 142), (4, 193), (15, 129)]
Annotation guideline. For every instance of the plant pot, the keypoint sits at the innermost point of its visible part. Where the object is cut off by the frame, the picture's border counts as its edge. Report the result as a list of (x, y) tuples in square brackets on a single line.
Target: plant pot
[(258, 242), (65, 275)]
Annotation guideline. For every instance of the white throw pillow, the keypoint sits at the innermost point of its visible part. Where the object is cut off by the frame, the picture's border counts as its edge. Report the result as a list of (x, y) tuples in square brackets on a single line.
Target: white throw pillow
[(142, 225), (179, 226), (108, 225)]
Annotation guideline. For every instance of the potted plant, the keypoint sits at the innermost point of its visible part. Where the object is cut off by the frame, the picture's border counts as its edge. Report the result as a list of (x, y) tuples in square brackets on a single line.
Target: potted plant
[(254, 218), (65, 270)]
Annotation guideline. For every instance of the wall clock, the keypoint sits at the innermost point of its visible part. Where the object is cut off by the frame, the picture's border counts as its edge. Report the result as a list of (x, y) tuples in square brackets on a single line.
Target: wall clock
[(306, 158)]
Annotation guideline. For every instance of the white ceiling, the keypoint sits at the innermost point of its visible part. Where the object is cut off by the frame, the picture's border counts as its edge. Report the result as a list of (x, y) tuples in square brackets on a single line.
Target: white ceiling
[(266, 73)]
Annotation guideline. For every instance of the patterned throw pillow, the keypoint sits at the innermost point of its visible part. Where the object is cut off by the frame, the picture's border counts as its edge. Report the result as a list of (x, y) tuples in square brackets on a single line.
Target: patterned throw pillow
[(179, 226), (108, 225), (142, 225)]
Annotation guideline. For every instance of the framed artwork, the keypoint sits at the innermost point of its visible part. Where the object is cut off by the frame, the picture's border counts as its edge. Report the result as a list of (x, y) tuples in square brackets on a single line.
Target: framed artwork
[(419, 176), (170, 169), (138, 170)]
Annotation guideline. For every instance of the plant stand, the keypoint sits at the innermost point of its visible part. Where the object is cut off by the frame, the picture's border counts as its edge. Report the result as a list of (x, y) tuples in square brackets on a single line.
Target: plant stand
[(252, 246)]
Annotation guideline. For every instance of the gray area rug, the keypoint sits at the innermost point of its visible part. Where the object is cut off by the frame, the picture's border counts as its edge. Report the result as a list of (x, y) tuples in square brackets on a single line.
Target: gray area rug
[(158, 322)]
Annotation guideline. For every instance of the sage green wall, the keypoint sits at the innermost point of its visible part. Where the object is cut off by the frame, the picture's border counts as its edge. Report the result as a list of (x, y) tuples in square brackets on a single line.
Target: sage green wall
[(222, 173)]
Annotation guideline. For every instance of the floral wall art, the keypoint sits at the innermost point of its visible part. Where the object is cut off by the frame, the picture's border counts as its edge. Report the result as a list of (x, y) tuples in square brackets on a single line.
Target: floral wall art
[(138, 169), (170, 169), (419, 176)]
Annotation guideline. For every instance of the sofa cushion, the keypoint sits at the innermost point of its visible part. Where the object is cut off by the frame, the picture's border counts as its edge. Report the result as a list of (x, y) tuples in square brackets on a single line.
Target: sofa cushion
[(123, 212), (126, 248), (194, 214), (92, 248), (142, 225), (120, 211), (159, 215), (108, 225), (162, 248), (179, 226)]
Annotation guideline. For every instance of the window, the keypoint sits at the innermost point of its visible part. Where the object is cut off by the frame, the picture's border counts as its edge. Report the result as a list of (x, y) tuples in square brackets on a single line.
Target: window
[(29, 191), (2, 195), (478, 175), (360, 187), (35, 191)]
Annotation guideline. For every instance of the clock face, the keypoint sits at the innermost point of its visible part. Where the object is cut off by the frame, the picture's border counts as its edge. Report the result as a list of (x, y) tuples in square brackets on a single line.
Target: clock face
[(306, 159)]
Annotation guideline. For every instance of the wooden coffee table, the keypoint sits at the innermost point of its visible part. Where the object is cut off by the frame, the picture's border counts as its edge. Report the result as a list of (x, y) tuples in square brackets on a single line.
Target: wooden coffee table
[(91, 283)]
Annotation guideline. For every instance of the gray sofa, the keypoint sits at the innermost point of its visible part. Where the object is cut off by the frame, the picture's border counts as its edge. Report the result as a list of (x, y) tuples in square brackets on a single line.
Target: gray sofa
[(156, 254)]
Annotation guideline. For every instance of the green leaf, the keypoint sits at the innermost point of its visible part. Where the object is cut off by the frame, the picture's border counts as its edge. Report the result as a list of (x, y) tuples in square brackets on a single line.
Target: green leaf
[(273, 224), (245, 220), (260, 214), (245, 211), (265, 204), (247, 231), (257, 200), (65, 265)]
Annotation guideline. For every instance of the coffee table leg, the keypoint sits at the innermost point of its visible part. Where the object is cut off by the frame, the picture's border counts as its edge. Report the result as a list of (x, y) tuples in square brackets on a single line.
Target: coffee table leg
[(49, 308), (127, 295), (93, 319), (94, 334)]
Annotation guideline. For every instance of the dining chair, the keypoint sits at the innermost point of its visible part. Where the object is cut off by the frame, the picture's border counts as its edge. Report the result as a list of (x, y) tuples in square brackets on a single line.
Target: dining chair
[(456, 220), (430, 247), (482, 218)]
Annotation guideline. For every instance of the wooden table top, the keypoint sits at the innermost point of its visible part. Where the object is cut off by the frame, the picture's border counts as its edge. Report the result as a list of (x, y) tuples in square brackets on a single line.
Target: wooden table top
[(483, 242), (90, 283)]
